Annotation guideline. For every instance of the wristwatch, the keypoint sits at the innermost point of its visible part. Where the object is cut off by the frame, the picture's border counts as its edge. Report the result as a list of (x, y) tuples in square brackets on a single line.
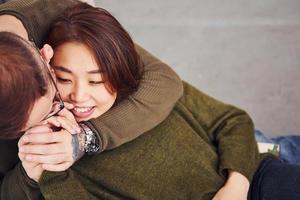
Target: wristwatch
[(91, 142)]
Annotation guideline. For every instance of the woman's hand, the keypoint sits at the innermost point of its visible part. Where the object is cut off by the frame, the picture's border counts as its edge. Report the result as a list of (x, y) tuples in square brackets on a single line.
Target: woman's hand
[(235, 188)]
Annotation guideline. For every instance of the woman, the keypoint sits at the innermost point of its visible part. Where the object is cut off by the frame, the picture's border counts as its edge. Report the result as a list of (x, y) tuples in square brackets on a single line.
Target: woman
[(194, 154), (222, 110)]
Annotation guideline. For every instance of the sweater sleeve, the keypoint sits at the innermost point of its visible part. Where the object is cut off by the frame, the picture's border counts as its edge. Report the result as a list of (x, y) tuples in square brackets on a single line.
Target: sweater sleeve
[(229, 129), (157, 94), (36, 15), (52, 184), (16, 185)]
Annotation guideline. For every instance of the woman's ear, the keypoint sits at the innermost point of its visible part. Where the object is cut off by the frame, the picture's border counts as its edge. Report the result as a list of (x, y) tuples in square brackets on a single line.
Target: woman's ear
[(47, 53)]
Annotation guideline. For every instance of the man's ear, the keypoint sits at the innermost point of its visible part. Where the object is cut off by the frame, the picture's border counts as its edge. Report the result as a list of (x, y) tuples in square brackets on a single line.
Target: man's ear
[(47, 53)]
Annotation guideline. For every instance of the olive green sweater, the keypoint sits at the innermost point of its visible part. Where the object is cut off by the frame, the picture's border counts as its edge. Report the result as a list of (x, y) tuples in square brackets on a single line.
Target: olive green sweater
[(184, 157), (127, 120), (187, 156)]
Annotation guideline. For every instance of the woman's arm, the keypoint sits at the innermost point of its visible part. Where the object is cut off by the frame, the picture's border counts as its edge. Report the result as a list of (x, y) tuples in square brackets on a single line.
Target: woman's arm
[(54, 186), (231, 133), (15, 184), (235, 188), (229, 129)]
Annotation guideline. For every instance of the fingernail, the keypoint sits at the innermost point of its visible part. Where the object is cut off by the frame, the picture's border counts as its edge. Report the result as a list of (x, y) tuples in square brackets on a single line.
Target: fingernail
[(25, 138)]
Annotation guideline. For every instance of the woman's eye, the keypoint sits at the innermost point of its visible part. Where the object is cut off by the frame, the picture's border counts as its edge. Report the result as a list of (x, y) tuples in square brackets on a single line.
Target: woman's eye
[(96, 82), (62, 80)]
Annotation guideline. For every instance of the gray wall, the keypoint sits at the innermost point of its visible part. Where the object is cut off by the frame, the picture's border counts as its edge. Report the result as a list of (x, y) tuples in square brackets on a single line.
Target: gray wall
[(243, 52)]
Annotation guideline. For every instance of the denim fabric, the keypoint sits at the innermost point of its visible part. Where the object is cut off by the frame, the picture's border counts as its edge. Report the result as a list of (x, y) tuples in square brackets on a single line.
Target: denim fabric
[(289, 146), (275, 180)]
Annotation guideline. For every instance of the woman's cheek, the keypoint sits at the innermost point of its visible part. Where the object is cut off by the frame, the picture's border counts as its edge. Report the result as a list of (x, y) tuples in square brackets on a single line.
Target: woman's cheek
[(64, 91)]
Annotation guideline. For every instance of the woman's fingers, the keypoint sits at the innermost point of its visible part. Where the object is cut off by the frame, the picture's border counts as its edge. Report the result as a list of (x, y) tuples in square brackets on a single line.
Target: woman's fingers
[(43, 149), (67, 114), (59, 121), (25, 163), (45, 128), (39, 130), (69, 106), (49, 159), (51, 121), (57, 168), (21, 156), (38, 138)]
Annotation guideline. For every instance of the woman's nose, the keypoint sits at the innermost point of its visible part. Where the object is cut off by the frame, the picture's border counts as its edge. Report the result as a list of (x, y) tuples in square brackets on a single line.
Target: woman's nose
[(79, 94)]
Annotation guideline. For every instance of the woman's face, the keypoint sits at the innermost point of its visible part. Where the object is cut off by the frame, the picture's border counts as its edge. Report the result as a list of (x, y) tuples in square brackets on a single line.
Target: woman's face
[(80, 82)]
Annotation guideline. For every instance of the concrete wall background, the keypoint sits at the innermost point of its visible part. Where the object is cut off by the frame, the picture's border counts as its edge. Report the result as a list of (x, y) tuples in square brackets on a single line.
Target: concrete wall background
[(243, 52)]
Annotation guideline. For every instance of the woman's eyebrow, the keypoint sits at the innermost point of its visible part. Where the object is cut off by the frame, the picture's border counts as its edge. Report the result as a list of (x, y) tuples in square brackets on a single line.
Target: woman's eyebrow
[(97, 71), (63, 69)]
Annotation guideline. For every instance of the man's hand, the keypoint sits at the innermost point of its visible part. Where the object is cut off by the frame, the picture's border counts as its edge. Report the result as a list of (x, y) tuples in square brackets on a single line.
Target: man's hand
[(235, 188), (54, 150), (33, 170)]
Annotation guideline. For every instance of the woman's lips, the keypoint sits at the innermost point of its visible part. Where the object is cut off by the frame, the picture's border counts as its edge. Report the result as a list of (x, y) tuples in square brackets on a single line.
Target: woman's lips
[(83, 112)]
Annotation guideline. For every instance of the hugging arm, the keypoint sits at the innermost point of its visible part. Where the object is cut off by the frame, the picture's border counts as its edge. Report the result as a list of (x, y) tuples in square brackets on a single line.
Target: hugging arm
[(54, 185), (141, 111), (158, 92), (15, 184)]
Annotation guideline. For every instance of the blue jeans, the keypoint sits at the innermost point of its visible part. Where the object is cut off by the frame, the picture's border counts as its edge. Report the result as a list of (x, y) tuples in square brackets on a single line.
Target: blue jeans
[(289, 146), (275, 180)]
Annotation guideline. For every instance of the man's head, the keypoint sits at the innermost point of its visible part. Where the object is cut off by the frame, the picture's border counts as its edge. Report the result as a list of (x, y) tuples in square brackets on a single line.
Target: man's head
[(26, 91)]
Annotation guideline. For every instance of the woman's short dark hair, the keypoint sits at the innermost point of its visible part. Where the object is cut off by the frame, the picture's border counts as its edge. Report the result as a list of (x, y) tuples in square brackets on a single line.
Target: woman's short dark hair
[(112, 46), (23, 80)]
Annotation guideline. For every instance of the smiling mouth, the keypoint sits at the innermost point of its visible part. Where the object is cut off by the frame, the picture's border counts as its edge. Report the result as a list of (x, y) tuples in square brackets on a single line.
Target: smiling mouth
[(83, 112)]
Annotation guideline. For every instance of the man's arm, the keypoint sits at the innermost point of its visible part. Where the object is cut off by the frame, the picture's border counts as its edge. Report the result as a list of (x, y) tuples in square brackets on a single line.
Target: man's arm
[(157, 94)]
